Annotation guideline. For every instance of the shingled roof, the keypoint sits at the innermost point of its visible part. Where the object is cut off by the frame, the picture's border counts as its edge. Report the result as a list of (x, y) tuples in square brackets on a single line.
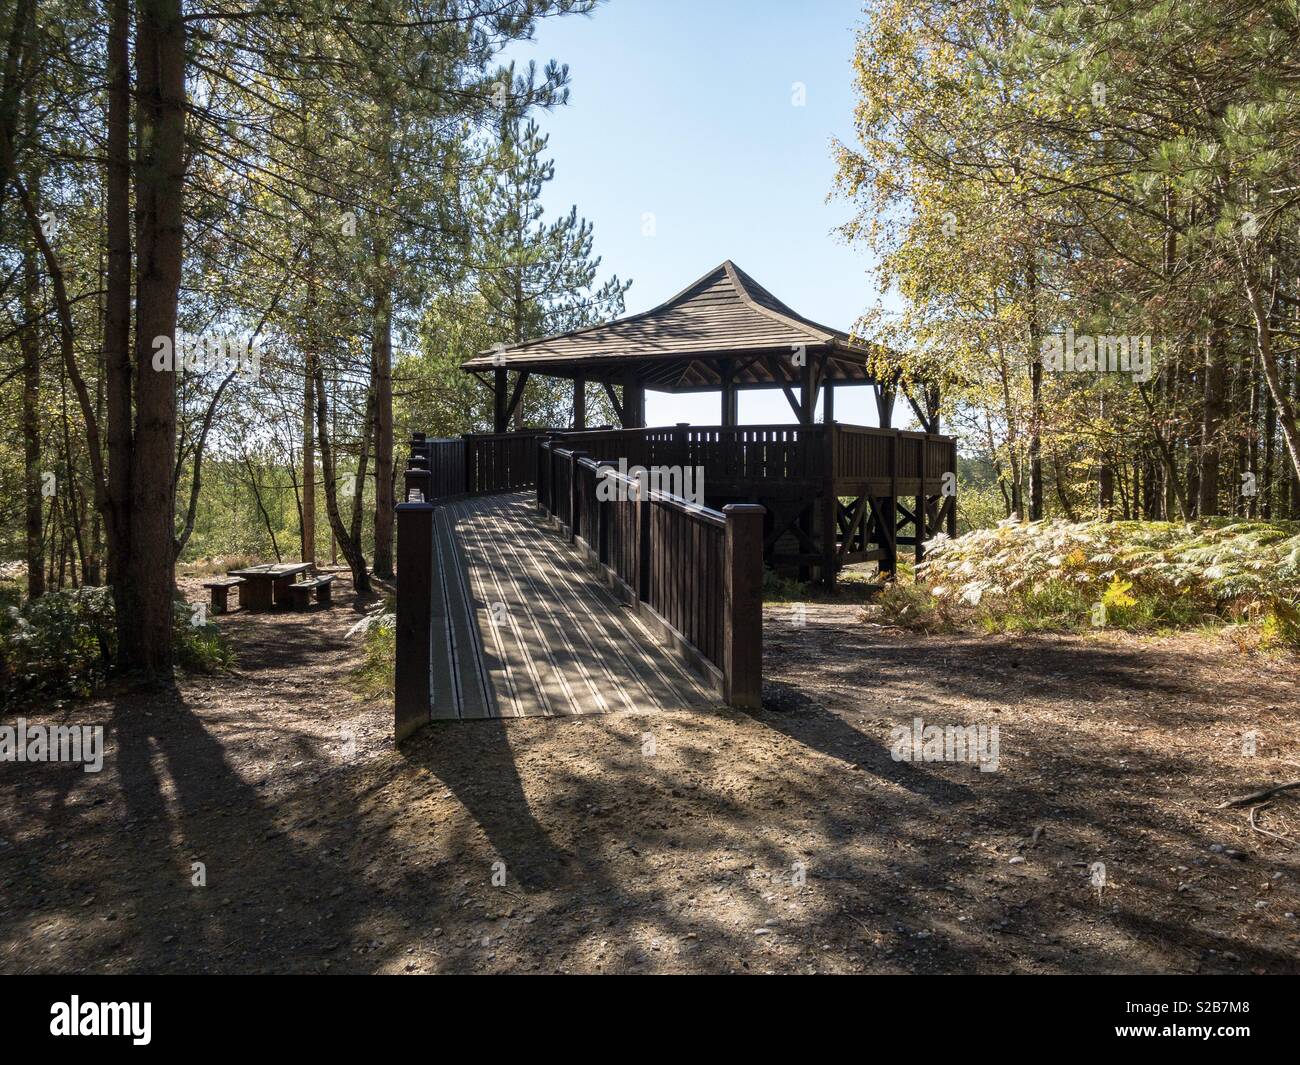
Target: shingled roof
[(680, 344)]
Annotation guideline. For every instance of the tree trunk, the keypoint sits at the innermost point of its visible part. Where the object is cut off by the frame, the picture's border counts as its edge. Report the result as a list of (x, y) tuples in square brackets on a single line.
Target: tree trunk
[(351, 546), (383, 355), (1036, 399), (308, 470), (117, 303), (29, 341), (1212, 415), (1286, 414), (145, 628)]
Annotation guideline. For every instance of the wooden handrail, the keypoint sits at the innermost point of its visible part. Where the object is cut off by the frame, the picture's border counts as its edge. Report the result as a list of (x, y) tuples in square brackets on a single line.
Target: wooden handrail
[(694, 572)]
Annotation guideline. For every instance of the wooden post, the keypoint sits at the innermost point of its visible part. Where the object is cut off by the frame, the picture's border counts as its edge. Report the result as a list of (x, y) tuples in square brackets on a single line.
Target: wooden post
[(828, 402), (580, 402), (885, 405), (829, 506), (543, 450), (574, 520), (413, 668), (500, 400), (418, 478), (807, 397), (730, 401), (643, 505), (920, 506), (891, 509), (952, 505), (633, 403), (742, 610), (681, 445), (552, 501), (602, 526)]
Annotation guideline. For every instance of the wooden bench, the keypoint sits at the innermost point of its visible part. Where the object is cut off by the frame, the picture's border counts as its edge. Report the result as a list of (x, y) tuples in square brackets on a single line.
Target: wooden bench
[(220, 590), (301, 592)]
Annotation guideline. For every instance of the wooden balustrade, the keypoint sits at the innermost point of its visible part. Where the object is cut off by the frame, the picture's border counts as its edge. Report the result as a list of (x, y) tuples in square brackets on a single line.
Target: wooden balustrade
[(696, 573)]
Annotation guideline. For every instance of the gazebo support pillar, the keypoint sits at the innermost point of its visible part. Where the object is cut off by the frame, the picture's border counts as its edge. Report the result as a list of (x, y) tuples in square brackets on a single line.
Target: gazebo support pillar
[(500, 401), (580, 402), (633, 404), (730, 395)]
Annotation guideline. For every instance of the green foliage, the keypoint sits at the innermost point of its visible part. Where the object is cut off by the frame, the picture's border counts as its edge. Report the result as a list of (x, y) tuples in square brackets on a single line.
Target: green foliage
[(913, 606), (57, 645), (779, 589), (1132, 575), (378, 633), (199, 648), (62, 644)]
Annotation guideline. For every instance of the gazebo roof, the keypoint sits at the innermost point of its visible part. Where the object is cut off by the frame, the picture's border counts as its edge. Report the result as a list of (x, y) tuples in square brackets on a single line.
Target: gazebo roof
[(681, 345)]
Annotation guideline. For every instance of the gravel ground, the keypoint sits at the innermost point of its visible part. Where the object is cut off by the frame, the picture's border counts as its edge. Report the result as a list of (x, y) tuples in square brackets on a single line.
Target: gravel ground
[(784, 840)]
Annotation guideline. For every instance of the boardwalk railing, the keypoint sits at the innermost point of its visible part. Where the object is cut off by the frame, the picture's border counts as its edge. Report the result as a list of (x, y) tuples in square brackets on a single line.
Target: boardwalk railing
[(472, 464), (735, 456), (500, 462), (784, 454), (695, 574)]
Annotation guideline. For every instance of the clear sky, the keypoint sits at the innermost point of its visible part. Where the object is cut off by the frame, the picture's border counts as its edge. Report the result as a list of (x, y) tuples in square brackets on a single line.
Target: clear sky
[(688, 112)]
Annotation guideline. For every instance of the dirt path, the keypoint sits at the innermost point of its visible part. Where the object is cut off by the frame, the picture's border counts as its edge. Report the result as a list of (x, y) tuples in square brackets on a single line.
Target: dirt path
[(787, 840)]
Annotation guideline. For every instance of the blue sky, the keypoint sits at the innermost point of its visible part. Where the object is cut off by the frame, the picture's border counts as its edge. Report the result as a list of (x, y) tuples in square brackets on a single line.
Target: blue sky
[(685, 111)]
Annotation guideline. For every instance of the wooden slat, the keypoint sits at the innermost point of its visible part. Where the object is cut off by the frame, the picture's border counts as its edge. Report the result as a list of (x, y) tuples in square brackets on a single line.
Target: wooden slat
[(564, 645)]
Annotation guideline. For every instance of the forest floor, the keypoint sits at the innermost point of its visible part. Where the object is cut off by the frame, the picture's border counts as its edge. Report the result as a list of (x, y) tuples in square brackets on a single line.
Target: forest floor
[(783, 840)]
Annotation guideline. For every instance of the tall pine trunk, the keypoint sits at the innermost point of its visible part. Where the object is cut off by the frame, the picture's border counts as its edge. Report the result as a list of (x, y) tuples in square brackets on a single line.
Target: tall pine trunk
[(344, 537), (383, 355), (308, 469), (30, 343), (1213, 409), (145, 629), (117, 302)]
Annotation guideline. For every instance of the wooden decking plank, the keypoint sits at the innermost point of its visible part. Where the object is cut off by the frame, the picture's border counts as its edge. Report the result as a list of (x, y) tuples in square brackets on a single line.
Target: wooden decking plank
[(584, 687), (617, 637), (565, 644), (537, 636), (480, 532), (444, 692), (506, 671), (476, 700), (596, 647)]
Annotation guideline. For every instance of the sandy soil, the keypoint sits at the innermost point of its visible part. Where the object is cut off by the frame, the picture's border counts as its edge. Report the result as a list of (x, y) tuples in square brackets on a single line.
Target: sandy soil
[(783, 840)]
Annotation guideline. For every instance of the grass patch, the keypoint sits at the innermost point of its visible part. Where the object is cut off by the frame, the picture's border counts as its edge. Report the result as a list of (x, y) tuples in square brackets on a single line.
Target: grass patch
[(378, 633)]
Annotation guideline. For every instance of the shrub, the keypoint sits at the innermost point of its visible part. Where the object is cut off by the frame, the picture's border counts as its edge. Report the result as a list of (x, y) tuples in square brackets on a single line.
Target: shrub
[(779, 589), (60, 644), (1128, 574), (912, 606), (378, 632), (199, 648), (63, 643)]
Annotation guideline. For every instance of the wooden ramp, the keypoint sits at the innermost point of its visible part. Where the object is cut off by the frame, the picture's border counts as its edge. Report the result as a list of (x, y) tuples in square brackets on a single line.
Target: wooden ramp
[(522, 627)]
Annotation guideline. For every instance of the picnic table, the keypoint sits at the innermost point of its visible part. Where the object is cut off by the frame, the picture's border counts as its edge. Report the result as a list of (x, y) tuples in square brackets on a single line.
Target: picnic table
[(269, 584)]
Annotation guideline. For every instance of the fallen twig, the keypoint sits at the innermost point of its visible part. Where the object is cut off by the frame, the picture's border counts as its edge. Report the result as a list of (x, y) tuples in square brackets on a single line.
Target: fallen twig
[(1255, 796), (1264, 831)]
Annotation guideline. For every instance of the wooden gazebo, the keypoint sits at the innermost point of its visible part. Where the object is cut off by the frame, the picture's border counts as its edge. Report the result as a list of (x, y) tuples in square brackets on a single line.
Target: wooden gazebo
[(723, 333), (835, 493)]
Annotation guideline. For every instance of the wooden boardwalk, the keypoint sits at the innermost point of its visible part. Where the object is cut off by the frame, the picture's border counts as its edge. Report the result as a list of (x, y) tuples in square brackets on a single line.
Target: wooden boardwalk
[(522, 626)]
